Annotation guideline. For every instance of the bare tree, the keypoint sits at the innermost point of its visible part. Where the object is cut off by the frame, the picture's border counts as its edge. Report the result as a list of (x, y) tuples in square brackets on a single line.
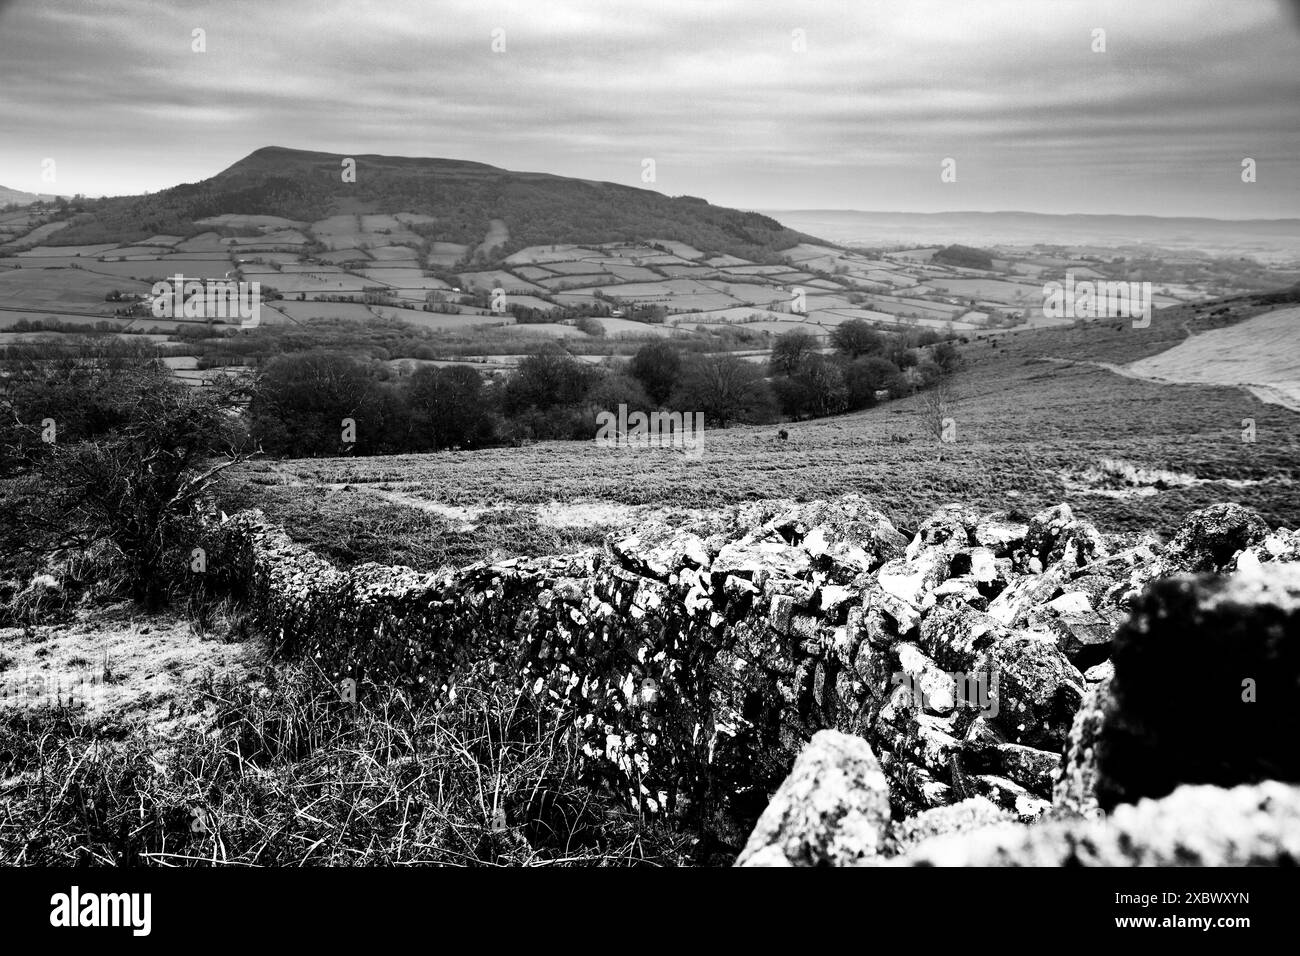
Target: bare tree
[(726, 389), (938, 410)]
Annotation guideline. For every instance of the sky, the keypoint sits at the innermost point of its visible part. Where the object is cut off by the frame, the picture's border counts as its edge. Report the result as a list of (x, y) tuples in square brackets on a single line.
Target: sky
[(799, 104)]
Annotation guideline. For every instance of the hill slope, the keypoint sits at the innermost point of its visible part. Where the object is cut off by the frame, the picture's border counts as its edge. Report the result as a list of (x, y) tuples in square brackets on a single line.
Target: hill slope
[(1262, 354), (21, 198), (463, 197), (1038, 417)]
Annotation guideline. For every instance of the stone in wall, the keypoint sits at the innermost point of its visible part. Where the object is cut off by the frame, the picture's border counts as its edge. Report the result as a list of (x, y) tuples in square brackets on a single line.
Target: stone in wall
[(1248, 825), (832, 810)]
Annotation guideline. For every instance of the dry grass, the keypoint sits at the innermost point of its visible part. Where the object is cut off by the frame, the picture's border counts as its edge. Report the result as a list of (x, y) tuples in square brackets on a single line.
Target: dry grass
[(130, 668), (354, 525), (288, 773)]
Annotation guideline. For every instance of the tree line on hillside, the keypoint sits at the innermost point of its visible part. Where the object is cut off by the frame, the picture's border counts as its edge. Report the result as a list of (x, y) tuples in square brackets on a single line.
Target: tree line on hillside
[(865, 366), (307, 401), (328, 403)]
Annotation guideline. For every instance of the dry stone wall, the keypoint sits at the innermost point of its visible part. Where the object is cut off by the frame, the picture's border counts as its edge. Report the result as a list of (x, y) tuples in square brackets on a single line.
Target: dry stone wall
[(695, 661)]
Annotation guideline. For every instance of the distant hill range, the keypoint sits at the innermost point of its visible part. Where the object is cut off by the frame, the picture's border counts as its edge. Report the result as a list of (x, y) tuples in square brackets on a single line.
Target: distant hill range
[(1266, 239), (464, 197), (8, 196)]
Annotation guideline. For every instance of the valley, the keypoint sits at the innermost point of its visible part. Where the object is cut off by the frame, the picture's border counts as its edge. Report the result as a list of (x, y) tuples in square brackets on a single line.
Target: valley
[(481, 296)]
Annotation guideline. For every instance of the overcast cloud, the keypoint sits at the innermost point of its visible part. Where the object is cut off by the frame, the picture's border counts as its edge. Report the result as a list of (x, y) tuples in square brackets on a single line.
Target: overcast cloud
[(712, 90)]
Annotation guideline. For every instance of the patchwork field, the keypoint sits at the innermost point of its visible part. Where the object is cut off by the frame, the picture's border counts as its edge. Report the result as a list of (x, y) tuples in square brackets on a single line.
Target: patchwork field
[(243, 221), (75, 289), (636, 290), (1011, 293), (303, 311), (498, 278), (616, 327)]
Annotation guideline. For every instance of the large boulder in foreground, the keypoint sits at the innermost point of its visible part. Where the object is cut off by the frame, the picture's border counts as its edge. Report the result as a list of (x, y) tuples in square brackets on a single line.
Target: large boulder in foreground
[(1206, 687), (833, 809), (1194, 826)]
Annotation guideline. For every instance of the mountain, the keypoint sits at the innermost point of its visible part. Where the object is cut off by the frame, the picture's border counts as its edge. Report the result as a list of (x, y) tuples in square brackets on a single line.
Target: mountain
[(464, 198), (8, 196)]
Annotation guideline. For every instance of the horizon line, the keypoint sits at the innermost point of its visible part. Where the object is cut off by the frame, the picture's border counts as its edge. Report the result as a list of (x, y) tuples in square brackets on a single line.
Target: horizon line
[(1011, 212), (770, 210)]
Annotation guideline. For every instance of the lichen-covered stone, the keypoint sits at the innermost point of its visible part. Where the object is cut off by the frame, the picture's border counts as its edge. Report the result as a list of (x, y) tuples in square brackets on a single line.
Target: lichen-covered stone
[(974, 813), (1255, 825), (1074, 790), (1210, 538), (832, 810), (953, 633), (1035, 690)]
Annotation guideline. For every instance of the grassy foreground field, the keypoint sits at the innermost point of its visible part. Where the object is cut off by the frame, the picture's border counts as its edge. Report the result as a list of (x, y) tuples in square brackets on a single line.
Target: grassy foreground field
[(1034, 423)]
